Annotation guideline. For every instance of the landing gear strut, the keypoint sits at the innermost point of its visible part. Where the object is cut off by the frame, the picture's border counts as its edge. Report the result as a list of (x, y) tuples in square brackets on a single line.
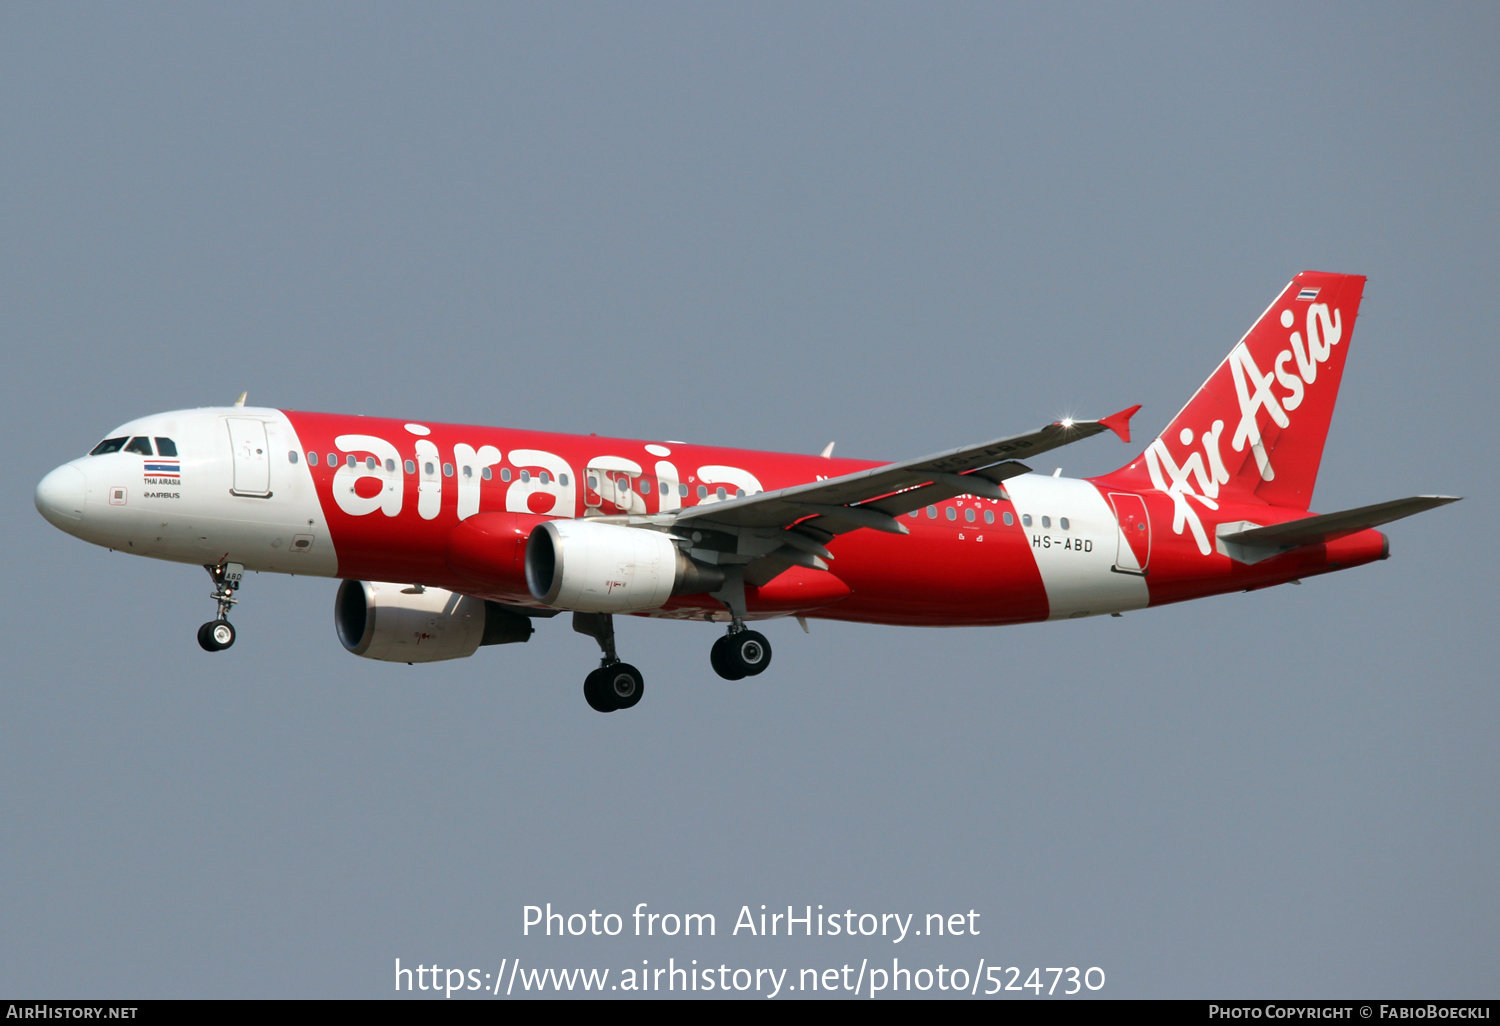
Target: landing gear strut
[(614, 685), (219, 634)]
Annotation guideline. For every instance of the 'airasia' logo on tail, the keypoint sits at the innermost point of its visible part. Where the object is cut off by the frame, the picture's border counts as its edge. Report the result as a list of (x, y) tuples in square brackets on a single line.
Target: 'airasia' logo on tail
[(1201, 473)]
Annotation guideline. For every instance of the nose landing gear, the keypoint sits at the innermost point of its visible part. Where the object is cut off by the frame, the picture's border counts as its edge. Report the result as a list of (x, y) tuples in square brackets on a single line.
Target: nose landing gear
[(614, 685), (218, 634)]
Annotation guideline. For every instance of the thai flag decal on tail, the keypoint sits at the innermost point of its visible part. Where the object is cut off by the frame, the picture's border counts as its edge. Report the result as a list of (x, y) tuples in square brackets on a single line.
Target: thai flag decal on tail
[(1308, 294)]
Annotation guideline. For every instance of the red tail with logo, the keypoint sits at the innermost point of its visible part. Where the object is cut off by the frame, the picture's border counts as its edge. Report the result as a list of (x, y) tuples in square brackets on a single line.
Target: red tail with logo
[(1258, 424)]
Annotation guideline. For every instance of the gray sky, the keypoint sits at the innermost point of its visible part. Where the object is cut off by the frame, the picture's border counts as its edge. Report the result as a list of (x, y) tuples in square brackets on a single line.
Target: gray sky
[(900, 227)]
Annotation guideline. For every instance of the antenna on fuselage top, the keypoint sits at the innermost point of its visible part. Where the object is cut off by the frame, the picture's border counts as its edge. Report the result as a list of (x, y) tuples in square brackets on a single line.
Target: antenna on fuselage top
[(241, 400)]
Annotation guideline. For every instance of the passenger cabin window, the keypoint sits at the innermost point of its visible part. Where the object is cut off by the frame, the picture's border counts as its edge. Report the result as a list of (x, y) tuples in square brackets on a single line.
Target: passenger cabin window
[(333, 459), (486, 473), (447, 470), (292, 456), (682, 491), (1063, 523), (505, 473), (703, 491), (165, 446), (931, 512), (969, 515), (1046, 521), (1009, 520), (312, 458), (989, 516), (1025, 519), (140, 446), (108, 445), (562, 479), (352, 460), (390, 465), (410, 466)]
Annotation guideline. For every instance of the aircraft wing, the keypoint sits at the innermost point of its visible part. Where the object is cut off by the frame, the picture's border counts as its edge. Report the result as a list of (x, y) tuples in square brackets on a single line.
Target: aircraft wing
[(874, 498)]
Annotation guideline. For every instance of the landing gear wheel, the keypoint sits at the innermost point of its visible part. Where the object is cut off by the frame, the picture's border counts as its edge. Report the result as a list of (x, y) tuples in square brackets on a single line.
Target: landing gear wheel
[(751, 651), (623, 685), (593, 692), (618, 686), (740, 654), (723, 660), (216, 635)]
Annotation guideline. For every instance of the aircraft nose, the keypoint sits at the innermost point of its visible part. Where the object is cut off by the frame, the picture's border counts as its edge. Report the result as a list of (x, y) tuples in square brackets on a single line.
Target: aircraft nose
[(59, 496)]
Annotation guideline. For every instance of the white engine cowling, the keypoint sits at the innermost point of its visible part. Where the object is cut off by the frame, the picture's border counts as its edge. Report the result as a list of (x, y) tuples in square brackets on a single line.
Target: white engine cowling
[(609, 568), (400, 624)]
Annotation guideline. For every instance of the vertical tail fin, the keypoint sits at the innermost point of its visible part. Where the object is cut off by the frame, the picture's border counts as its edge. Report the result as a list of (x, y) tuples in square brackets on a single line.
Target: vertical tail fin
[(1258, 424)]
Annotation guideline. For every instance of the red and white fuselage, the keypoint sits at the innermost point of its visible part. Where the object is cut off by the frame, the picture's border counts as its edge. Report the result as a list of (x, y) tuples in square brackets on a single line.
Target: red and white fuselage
[(369, 509)]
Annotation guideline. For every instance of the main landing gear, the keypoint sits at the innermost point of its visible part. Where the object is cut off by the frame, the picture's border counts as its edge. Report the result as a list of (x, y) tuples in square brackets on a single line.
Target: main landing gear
[(218, 634), (741, 653), (614, 685)]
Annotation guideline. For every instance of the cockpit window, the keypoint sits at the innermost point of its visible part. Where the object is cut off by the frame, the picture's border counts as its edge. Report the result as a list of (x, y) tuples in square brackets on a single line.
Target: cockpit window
[(141, 446), (165, 447), (108, 445)]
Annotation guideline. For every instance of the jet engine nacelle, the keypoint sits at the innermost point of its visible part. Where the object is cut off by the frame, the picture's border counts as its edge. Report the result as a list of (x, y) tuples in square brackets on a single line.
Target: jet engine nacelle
[(402, 624), (608, 568)]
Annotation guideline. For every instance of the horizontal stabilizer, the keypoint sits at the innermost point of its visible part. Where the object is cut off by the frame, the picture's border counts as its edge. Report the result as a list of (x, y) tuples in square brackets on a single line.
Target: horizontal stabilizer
[(1253, 544)]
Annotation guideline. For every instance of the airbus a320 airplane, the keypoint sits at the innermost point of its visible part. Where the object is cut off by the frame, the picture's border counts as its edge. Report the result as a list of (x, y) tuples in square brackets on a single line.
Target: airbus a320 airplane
[(449, 537)]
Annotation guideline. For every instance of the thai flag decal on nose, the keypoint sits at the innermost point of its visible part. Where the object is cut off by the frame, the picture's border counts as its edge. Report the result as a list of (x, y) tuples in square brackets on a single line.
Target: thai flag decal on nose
[(164, 469)]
